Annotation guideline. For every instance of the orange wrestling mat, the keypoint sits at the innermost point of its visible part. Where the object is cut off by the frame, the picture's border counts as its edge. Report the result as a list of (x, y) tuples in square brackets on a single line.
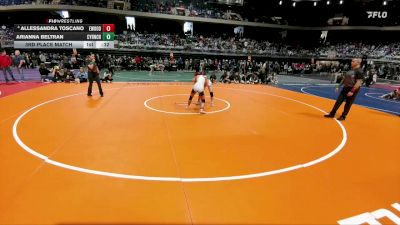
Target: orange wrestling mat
[(261, 155)]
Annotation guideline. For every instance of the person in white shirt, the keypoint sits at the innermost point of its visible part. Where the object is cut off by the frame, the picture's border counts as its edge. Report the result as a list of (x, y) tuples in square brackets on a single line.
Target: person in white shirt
[(210, 90), (200, 82)]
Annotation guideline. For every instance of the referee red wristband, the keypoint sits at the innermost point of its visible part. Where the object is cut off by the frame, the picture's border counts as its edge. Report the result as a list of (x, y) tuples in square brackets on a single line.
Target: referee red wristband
[(353, 89)]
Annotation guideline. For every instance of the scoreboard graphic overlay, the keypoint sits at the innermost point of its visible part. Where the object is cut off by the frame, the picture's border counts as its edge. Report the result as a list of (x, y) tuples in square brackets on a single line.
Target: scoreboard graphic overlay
[(63, 36)]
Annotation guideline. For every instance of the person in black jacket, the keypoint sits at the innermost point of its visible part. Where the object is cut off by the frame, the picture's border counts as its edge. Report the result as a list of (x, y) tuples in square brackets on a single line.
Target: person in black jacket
[(351, 85), (93, 75), (44, 72)]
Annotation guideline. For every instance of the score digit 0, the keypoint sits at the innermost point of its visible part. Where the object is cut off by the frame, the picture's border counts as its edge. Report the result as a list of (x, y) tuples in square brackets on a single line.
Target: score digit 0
[(108, 36), (108, 27)]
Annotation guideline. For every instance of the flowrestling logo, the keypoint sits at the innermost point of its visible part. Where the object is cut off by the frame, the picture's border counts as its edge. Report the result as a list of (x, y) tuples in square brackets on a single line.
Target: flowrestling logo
[(64, 21), (373, 217), (377, 14)]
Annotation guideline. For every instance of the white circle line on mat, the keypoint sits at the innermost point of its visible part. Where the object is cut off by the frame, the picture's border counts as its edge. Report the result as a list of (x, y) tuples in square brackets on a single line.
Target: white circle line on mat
[(177, 179), (228, 105)]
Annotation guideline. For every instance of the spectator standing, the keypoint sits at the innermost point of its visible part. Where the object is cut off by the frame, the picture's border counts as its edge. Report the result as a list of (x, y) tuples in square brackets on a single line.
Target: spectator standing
[(19, 63), (5, 65)]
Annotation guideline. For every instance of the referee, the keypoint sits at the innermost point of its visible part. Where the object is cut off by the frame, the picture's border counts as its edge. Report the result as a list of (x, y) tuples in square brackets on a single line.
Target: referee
[(351, 85), (93, 75)]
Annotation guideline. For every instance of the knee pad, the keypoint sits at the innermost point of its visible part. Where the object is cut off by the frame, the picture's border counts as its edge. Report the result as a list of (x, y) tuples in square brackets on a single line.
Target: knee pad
[(212, 94), (190, 98), (203, 101), (201, 93)]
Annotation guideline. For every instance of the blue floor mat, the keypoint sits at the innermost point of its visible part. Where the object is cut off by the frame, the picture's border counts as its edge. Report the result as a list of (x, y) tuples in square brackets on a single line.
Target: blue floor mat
[(368, 97)]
